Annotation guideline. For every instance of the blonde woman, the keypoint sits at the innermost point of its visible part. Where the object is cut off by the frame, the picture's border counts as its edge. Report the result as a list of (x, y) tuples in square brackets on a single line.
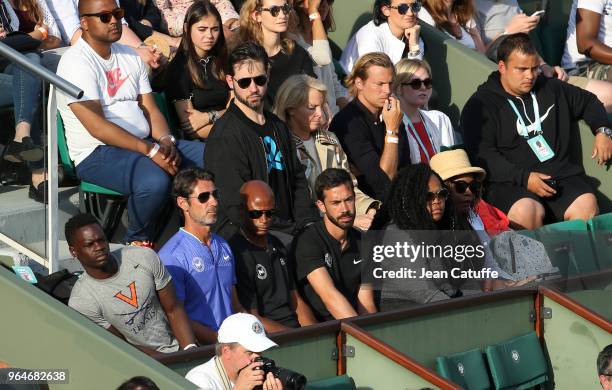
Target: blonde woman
[(301, 103), (265, 22), (427, 130)]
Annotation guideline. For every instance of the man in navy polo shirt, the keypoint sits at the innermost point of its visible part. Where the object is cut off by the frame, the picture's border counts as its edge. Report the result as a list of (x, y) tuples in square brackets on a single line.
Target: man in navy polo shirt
[(201, 263)]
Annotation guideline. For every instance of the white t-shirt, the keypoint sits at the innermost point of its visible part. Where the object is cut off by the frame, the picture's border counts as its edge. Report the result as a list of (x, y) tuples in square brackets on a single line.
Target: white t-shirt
[(115, 82), (603, 7), (466, 38), (205, 376)]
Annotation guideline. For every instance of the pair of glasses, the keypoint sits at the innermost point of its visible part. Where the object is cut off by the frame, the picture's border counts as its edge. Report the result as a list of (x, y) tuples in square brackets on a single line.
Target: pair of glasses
[(418, 83), (276, 9), (440, 195), (246, 81), (403, 8), (204, 197), (256, 214), (462, 186), (105, 17)]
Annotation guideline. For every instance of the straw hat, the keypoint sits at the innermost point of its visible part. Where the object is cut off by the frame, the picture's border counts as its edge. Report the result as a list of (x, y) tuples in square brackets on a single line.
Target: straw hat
[(453, 163)]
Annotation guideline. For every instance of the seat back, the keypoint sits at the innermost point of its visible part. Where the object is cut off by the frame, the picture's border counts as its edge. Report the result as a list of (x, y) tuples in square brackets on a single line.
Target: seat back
[(600, 228), (467, 369), (518, 363), (63, 148), (341, 382)]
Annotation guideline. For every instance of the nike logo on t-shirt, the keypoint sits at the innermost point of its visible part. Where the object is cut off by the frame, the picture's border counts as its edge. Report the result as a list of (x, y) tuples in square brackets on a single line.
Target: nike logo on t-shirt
[(113, 77), (357, 261)]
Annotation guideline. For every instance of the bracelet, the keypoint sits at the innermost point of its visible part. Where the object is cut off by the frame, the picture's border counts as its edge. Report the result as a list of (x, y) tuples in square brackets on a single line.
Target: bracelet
[(390, 139), (153, 150), (391, 132), (415, 48), (314, 16), (172, 139), (44, 32), (188, 346), (213, 116)]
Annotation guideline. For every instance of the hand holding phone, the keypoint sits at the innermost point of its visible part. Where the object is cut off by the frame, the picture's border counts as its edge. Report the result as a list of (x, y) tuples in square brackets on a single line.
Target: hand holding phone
[(537, 13)]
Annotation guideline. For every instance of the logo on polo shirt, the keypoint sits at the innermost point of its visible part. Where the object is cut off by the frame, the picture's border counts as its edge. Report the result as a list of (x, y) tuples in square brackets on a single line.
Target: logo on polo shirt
[(261, 271), (198, 264), (328, 260), (282, 261)]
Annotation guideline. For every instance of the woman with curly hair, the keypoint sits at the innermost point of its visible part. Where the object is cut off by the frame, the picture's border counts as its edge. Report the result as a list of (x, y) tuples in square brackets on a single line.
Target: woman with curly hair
[(266, 22)]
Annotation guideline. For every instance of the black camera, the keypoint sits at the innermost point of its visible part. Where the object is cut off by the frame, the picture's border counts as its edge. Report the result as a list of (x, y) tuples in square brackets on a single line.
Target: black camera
[(291, 380)]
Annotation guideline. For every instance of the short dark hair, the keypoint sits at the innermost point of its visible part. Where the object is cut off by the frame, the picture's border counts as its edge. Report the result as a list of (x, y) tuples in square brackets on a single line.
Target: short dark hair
[(331, 178), (138, 381), (185, 181), (515, 42), (603, 360), (377, 14), (247, 51), (77, 222)]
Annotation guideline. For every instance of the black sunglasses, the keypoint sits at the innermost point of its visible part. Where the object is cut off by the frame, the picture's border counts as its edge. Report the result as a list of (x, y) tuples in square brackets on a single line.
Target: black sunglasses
[(246, 81), (276, 9), (256, 214), (203, 197), (418, 83), (403, 8), (462, 186), (440, 195), (105, 17)]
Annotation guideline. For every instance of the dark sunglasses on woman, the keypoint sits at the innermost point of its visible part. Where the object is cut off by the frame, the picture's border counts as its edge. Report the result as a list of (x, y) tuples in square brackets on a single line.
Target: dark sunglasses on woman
[(203, 197), (256, 214), (105, 17), (245, 82), (403, 8), (462, 186), (276, 9), (418, 83), (441, 194)]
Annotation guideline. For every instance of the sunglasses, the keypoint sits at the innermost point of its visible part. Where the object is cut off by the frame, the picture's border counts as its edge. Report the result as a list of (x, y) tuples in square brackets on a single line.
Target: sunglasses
[(418, 83), (276, 9), (256, 214), (105, 17), (246, 81), (462, 186), (403, 8), (440, 195), (203, 197)]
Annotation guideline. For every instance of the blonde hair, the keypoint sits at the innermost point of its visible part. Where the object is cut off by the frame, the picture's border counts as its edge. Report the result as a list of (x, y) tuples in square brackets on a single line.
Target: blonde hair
[(294, 93), (405, 70), (360, 69), (250, 30)]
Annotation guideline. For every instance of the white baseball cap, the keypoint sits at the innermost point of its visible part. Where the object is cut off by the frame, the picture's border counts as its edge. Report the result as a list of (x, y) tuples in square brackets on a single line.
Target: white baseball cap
[(246, 330)]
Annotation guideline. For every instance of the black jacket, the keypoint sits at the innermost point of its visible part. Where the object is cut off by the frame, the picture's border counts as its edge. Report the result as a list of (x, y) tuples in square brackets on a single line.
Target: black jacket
[(235, 154), (490, 128)]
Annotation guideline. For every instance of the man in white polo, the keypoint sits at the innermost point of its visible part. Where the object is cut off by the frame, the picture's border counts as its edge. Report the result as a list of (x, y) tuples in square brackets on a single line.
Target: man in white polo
[(241, 340)]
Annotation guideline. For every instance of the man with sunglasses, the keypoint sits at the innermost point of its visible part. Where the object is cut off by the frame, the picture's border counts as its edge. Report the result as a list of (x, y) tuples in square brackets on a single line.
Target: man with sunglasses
[(250, 143), (394, 31), (265, 272), (604, 367), (116, 134), (200, 262), (329, 264)]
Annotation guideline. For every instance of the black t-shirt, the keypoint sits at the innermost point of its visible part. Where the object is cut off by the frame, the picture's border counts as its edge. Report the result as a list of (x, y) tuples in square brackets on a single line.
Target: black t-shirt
[(179, 86), (284, 66), (315, 248), (135, 11), (265, 279)]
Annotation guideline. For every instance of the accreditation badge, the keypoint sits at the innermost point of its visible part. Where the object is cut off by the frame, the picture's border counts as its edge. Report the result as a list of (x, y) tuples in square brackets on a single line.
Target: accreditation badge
[(541, 148)]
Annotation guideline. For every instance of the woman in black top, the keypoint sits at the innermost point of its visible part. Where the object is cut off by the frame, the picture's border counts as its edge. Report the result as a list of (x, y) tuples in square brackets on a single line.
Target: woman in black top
[(195, 81), (266, 22), (144, 19)]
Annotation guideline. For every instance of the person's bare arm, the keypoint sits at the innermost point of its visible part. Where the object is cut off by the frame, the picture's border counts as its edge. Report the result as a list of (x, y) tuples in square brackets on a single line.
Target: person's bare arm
[(392, 116), (179, 322), (159, 128), (236, 305), (365, 300), (270, 326), (336, 303), (302, 310), (194, 123), (519, 23), (204, 334), (587, 37), (148, 54)]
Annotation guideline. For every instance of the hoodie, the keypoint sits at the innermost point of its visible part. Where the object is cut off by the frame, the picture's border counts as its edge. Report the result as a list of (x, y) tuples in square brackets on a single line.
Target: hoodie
[(490, 128)]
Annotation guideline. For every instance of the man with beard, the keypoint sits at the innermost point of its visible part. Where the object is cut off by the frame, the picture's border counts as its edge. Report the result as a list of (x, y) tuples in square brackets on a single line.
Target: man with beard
[(250, 143), (265, 272), (201, 263), (327, 254)]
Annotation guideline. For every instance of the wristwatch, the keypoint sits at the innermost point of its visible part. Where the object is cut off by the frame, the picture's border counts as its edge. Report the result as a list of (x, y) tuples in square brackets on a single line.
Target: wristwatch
[(605, 130), (172, 139), (213, 116)]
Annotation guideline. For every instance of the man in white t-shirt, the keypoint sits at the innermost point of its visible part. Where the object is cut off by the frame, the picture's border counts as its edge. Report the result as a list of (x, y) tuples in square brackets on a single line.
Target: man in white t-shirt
[(588, 50), (240, 341), (116, 135)]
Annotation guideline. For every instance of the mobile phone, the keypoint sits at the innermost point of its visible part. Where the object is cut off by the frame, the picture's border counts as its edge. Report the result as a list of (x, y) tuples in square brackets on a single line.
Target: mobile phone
[(552, 183), (537, 13)]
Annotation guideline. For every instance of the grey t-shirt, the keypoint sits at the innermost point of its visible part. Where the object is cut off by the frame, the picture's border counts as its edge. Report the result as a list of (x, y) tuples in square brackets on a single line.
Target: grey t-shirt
[(128, 300), (492, 16)]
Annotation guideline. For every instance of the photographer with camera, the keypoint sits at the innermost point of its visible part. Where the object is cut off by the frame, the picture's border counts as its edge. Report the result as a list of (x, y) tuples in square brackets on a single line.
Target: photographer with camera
[(238, 363)]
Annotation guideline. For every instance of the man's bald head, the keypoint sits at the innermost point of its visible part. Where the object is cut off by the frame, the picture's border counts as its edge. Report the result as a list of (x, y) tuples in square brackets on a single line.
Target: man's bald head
[(256, 189), (257, 208), (94, 6)]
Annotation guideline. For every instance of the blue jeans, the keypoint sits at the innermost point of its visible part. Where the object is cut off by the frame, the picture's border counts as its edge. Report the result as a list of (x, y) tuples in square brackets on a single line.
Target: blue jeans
[(137, 176), (21, 89)]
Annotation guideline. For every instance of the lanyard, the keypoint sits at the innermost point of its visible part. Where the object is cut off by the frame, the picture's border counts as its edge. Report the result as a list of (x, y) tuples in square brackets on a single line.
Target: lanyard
[(415, 135), (536, 112)]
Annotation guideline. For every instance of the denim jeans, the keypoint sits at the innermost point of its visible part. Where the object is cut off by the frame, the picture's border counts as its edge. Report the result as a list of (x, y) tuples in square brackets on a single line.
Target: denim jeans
[(21, 89), (137, 176)]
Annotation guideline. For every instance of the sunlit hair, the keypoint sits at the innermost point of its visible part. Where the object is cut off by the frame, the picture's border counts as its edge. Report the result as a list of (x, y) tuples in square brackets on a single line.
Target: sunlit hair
[(251, 30), (302, 16), (293, 93), (32, 10), (405, 70), (360, 69), (462, 9)]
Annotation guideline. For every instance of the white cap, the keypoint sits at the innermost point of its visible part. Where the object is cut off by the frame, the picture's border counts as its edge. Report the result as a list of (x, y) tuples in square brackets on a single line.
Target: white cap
[(246, 330)]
